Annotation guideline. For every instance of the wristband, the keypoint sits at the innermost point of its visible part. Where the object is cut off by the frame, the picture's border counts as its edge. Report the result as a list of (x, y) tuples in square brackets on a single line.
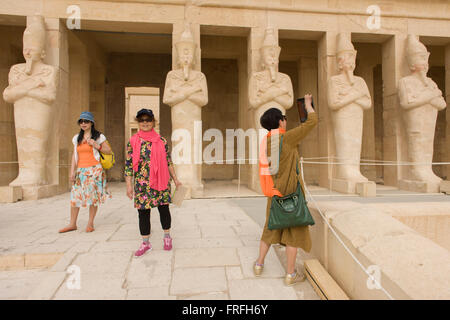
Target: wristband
[(100, 147)]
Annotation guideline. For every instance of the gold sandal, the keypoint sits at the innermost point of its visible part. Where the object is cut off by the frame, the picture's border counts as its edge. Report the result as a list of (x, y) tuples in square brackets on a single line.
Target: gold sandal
[(257, 270)]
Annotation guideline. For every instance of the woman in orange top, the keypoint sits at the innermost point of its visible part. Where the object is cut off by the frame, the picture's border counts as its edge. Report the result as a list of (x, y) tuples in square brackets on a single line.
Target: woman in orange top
[(286, 182), (89, 181)]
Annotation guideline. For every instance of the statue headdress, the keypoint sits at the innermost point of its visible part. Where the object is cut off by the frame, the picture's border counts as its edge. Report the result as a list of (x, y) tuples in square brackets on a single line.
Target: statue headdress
[(413, 47), (35, 32)]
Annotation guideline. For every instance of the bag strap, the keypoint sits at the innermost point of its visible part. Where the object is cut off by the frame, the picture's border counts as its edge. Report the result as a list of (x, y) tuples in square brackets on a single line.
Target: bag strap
[(279, 156), (101, 154)]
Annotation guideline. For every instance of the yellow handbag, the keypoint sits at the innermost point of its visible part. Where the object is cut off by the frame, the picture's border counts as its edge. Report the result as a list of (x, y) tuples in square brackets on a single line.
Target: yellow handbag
[(107, 160)]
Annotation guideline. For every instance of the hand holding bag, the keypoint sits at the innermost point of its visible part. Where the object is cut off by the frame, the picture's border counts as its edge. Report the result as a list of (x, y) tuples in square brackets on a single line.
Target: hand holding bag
[(107, 160), (290, 210)]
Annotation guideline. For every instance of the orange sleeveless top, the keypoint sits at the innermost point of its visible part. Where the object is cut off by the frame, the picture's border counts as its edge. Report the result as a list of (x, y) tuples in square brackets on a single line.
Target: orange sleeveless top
[(86, 156), (265, 178)]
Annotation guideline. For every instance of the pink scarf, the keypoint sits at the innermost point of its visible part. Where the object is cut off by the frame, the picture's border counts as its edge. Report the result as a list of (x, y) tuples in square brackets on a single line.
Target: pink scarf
[(159, 169)]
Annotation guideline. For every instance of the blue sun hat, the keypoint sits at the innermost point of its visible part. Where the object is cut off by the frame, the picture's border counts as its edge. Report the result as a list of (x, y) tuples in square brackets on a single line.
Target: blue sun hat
[(86, 115)]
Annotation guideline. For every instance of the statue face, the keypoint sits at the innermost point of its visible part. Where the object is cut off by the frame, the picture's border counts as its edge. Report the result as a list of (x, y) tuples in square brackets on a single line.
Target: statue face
[(31, 51), (347, 61), (185, 56), (270, 56), (419, 62)]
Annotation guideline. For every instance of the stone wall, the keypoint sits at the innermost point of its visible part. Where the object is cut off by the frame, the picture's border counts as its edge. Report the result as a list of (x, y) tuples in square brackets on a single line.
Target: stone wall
[(298, 59), (368, 57), (10, 54), (221, 112)]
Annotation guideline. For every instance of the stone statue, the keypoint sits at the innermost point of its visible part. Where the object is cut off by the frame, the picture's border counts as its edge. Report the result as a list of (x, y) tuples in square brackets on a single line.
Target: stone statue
[(186, 92), (270, 88), (420, 100), (32, 90), (348, 97)]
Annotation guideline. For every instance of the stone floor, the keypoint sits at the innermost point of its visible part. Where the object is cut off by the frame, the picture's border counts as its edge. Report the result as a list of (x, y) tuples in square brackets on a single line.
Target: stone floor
[(215, 244)]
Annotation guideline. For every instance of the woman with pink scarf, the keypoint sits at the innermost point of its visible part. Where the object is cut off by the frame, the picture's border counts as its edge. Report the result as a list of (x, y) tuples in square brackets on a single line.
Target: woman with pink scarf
[(148, 161)]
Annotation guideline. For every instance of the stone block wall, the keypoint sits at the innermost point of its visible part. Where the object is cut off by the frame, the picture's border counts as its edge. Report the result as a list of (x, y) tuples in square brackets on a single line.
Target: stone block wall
[(10, 54), (221, 112)]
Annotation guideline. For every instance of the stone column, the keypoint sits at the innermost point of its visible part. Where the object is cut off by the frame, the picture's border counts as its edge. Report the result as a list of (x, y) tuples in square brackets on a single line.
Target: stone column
[(327, 67), (244, 116), (79, 87), (255, 39), (394, 67), (307, 83), (445, 185), (368, 142), (97, 95), (57, 54)]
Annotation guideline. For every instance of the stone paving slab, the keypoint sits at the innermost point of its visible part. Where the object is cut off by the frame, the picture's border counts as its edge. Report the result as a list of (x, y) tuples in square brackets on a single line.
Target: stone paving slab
[(234, 273), (15, 285), (103, 262), (186, 233), (190, 281), (206, 257), (150, 271), (48, 286), (108, 286), (153, 293), (213, 231), (209, 296), (261, 289), (115, 246), (216, 242)]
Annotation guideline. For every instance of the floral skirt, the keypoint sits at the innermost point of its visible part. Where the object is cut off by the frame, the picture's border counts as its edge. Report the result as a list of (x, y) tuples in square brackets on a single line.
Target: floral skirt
[(89, 188), (146, 198)]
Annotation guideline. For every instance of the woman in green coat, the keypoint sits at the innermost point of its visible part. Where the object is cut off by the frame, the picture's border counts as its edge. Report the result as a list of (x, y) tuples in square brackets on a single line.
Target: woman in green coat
[(285, 182)]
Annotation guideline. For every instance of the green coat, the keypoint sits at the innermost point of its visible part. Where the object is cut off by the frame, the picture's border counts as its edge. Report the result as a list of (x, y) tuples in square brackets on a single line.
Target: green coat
[(286, 183)]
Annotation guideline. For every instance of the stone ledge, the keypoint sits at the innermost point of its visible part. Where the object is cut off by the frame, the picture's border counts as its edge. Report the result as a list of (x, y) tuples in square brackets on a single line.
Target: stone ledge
[(39, 192), (343, 186), (366, 189), (445, 187), (10, 194), (411, 266), (418, 186)]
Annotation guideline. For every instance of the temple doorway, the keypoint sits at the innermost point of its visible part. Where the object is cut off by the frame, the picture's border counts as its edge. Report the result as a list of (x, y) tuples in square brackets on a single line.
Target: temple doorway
[(224, 63)]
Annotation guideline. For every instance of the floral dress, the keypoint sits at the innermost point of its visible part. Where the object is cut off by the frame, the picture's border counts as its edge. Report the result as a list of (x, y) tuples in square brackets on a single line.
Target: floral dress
[(144, 196), (90, 188)]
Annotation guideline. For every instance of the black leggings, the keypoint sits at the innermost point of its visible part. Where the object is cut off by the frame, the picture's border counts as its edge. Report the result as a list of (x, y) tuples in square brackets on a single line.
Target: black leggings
[(144, 219)]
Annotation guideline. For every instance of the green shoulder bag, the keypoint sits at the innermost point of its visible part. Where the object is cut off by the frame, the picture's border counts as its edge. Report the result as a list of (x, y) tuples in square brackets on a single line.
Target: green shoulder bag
[(290, 210)]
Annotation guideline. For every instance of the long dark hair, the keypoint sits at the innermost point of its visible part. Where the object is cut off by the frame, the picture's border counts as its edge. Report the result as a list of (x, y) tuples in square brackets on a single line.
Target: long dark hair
[(94, 134)]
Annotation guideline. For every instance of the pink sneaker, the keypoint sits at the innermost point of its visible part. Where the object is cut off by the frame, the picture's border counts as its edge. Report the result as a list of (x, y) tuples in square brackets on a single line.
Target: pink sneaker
[(143, 249), (167, 243)]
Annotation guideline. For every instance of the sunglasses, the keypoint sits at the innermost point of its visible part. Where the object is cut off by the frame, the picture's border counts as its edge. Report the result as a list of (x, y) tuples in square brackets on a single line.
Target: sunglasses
[(284, 117), (144, 119), (83, 121)]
